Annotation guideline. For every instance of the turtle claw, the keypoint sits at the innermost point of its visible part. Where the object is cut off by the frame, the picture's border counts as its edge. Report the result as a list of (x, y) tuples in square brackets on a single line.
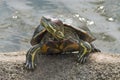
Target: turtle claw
[(29, 66), (82, 60)]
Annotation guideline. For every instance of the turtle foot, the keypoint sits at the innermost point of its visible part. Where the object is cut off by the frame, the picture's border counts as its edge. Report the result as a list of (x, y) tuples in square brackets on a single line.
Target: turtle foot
[(82, 59), (29, 65)]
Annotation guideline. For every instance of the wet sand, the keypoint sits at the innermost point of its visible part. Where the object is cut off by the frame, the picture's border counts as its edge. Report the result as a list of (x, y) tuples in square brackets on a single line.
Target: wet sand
[(101, 66)]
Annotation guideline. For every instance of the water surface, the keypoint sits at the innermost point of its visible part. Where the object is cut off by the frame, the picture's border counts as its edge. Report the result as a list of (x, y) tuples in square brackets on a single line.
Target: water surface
[(19, 18)]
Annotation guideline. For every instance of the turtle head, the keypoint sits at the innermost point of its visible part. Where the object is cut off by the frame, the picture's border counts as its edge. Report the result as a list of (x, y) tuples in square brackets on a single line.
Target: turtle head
[(55, 27)]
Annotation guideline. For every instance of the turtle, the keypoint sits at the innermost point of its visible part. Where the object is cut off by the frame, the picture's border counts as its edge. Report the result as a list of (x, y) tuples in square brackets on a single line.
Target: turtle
[(52, 36)]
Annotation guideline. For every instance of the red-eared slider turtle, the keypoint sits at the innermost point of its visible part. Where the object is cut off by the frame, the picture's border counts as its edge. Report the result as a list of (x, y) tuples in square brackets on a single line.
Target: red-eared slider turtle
[(53, 37)]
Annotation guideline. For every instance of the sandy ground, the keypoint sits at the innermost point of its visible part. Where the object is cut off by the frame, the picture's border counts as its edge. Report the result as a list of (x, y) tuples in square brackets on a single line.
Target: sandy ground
[(101, 66)]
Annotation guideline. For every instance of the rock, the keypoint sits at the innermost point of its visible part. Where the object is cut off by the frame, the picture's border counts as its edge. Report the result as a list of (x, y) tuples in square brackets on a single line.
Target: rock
[(100, 66)]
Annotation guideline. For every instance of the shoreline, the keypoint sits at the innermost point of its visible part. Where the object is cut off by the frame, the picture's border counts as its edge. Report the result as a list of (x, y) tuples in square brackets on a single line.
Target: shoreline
[(103, 66)]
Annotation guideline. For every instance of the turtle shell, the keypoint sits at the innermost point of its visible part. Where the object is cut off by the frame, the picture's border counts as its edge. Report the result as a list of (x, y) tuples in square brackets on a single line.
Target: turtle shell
[(83, 32)]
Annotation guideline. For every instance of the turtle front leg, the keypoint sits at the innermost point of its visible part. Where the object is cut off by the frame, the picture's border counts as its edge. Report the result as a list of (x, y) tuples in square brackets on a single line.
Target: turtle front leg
[(31, 57), (84, 51)]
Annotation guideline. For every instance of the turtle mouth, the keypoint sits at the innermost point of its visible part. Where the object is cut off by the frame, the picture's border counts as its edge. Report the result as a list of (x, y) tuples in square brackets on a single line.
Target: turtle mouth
[(51, 28)]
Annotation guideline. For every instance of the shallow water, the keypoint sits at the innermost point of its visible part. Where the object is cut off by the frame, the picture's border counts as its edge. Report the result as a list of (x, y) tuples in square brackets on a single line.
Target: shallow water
[(19, 18)]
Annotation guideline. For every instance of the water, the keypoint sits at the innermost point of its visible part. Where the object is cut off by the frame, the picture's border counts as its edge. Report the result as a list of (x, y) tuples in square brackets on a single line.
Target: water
[(19, 18)]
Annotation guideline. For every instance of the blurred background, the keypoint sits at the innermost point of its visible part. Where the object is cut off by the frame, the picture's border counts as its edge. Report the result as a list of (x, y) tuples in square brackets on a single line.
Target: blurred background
[(19, 18)]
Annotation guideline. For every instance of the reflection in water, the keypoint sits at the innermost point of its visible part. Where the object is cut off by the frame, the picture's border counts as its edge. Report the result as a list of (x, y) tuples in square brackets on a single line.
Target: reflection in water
[(20, 18)]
